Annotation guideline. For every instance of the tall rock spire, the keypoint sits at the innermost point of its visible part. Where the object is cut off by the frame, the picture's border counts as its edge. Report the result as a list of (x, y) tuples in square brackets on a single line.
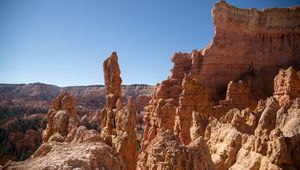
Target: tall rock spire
[(112, 80), (118, 122)]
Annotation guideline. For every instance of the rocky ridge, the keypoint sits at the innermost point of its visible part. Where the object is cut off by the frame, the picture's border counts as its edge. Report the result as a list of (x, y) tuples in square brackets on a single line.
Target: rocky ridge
[(264, 138), (66, 145), (192, 120), (240, 130), (24, 107)]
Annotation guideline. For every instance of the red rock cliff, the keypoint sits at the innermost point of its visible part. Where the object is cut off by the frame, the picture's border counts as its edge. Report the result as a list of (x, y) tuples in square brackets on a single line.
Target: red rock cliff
[(249, 47)]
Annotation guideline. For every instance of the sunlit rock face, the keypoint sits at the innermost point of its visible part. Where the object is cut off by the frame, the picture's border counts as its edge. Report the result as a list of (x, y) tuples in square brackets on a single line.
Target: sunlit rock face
[(118, 123), (215, 93), (287, 86), (66, 145), (222, 107), (250, 45)]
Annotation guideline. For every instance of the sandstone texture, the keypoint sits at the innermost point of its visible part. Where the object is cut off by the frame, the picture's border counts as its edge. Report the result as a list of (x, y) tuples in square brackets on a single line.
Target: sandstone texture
[(223, 95), (248, 49), (287, 85), (232, 105), (118, 123), (24, 107), (72, 156), (66, 145), (250, 45), (265, 138), (165, 152)]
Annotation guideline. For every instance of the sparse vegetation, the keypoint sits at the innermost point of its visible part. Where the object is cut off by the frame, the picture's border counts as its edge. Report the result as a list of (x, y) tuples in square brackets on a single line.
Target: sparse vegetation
[(12, 137)]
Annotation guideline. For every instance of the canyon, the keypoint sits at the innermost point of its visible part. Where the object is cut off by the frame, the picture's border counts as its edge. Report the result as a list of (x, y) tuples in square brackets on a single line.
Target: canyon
[(232, 105), (24, 107)]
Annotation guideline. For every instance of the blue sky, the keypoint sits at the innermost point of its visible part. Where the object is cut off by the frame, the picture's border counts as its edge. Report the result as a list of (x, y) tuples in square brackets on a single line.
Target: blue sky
[(64, 42)]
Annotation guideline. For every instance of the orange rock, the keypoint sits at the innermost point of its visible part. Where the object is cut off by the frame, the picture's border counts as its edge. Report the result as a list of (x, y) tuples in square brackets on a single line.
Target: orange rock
[(287, 86), (165, 152), (193, 98), (112, 80), (62, 119), (118, 123)]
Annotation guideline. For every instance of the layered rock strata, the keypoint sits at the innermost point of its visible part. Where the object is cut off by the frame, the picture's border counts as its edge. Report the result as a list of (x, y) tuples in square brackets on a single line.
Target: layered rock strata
[(248, 49), (240, 131), (69, 146), (118, 123), (287, 85), (265, 138)]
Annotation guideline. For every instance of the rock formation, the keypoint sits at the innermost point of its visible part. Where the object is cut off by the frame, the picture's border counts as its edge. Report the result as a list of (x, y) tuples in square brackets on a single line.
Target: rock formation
[(62, 119), (94, 155), (192, 120), (112, 80), (286, 85), (19, 103), (266, 40), (265, 138), (240, 131), (67, 145), (118, 122), (165, 152), (193, 98), (250, 45)]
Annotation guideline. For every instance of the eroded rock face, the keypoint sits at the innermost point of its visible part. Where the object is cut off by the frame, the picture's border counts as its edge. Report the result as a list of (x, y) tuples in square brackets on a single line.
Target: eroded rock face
[(287, 86), (112, 80), (52, 156), (251, 45), (118, 123), (67, 146), (124, 140), (62, 119), (193, 98), (159, 114), (239, 95), (244, 56), (266, 138), (165, 152)]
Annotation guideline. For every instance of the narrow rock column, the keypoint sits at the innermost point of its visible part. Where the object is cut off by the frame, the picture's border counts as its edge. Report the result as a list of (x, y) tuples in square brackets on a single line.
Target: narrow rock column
[(118, 123)]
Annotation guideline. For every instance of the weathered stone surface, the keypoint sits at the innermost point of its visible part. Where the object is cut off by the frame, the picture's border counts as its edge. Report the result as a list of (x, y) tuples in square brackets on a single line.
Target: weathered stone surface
[(67, 146), (193, 98), (159, 114), (287, 86), (118, 123), (239, 95), (62, 119), (71, 156), (124, 141), (224, 142), (165, 152), (266, 137), (112, 80), (199, 123), (250, 45), (245, 55)]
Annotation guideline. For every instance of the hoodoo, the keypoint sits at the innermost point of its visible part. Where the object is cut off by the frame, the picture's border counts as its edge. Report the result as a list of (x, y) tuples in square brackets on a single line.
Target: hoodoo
[(232, 105), (214, 95), (67, 146)]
